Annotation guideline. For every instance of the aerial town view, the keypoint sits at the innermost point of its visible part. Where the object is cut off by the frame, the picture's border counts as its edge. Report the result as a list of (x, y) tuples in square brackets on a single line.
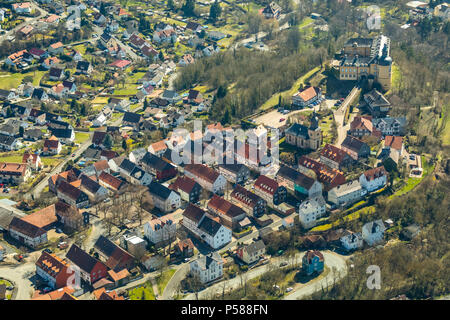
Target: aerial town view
[(224, 150)]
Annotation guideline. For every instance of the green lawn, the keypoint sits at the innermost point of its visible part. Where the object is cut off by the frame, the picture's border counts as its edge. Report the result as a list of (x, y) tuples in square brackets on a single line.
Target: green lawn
[(144, 292), (411, 183), (12, 158), (273, 101), (13, 80), (81, 137), (162, 281)]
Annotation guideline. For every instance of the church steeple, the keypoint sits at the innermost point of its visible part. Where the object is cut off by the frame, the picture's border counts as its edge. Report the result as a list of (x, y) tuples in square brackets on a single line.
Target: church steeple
[(314, 121)]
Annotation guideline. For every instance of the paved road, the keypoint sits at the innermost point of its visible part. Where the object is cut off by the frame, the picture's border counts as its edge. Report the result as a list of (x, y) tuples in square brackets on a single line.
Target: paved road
[(339, 116), (36, 191), (20, 275), (125, 46), (26, 22), (331, 260)]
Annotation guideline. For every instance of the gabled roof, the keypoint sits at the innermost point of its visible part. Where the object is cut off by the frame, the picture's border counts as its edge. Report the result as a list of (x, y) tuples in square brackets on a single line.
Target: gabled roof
[(98, 137), (184, 183), (295, 176), (69, 190), (156, 162), (26, 228), (255, 247), (210, 226), (245, 196), (375, 173), (394, 142), (159, 190), (353, 143), (224, 207), (202, 171), (110, 180), (81, 259), (334, 153), (42, 218), (266, 184), (132, 117), (194, 213)]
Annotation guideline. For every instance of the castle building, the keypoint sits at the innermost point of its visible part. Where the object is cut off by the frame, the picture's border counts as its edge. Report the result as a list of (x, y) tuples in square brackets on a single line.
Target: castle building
[(368, 58)]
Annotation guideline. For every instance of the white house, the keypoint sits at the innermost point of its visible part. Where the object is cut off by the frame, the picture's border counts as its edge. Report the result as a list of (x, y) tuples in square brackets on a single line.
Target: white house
[(346, 193), (208, 268), (351, 240), (373, 232), (160, 229), (204, 227), (100, 120), (310, 211), (373, 179), (207, 177), (27, 233), (163, 198)]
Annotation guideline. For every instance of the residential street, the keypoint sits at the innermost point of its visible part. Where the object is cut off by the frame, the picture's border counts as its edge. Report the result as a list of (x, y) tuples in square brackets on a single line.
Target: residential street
[(36, 191), (331, 260), (20, 275)]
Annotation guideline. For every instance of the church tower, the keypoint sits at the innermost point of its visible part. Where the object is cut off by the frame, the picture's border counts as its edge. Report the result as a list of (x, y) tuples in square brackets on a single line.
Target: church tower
[(315, 133)]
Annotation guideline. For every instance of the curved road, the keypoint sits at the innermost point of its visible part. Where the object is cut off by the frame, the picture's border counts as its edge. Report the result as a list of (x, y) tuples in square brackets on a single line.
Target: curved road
[(338, 269), (331, 260)]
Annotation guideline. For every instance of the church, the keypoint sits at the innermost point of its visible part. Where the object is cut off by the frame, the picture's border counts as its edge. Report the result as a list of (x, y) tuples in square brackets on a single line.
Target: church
[(305, 137)]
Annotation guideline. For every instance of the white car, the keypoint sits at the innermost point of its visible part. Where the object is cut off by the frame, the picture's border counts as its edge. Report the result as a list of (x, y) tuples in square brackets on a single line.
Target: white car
[(289, 289)]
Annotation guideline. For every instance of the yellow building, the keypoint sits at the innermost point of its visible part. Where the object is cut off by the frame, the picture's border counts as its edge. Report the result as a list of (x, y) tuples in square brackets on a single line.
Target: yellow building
[(367, 58)]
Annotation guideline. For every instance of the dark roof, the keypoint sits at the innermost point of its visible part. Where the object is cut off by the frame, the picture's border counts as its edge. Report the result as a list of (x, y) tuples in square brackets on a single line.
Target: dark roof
[(80, 258), (209, 226), (296, 176), (255, 247), (131, 117), (155, 162), (192, 25), (224, 206), (352, 143), (334, 153), (105, 246), (159, 190), (184, 183), (92, 153), (298, 130), (55, 72), (26, 228), (194, 213), (90, 184), (98, 137), (38, 93), (235, 168), (243, 195), (62, 133), (6, 140), (127, 165), (83, 65), (69, 190)]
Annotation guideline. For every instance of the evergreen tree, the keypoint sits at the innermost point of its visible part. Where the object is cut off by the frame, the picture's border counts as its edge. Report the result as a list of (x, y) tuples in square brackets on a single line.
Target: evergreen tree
[(170, 4), (108, 142), (189, 8), (215, 11)]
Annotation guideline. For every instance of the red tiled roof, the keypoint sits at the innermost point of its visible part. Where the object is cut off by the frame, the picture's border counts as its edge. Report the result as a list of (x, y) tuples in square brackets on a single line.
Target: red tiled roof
[(333, 153), (394, 142), (266, 184)]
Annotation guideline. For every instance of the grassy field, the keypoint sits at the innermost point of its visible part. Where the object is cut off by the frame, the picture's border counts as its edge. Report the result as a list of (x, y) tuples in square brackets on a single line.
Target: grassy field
[(164, 279), (81, 137), (411, 183), (144, 292), (446, 124), (13, 80), (273, 101)]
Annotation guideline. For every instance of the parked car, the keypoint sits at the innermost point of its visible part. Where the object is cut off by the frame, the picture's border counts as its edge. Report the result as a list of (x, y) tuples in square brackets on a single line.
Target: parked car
[(283, 264), (47, 250), (289, 289)]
